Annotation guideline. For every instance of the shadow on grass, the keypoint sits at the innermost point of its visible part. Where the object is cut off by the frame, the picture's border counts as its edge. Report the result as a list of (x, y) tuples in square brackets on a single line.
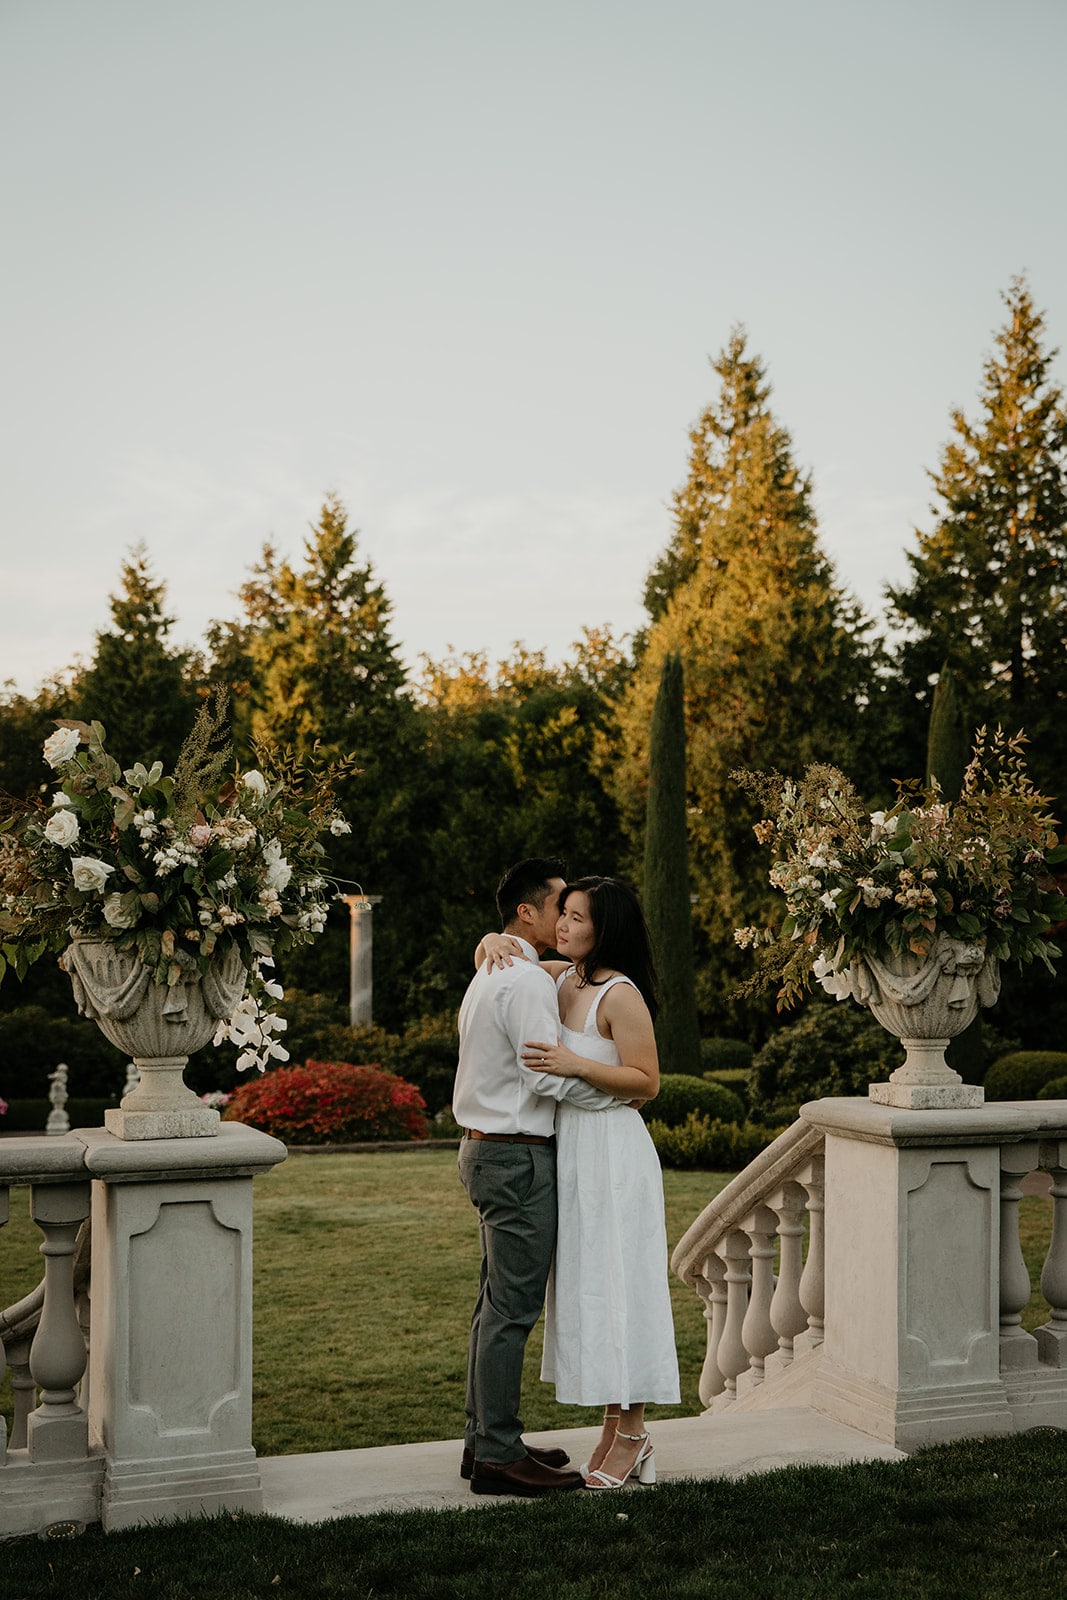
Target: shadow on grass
[(978, 1519)]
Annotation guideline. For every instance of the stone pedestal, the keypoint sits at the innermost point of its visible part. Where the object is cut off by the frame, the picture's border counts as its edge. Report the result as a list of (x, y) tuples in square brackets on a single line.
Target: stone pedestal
[(912, 1348), (171, 1358), (926, 1082)]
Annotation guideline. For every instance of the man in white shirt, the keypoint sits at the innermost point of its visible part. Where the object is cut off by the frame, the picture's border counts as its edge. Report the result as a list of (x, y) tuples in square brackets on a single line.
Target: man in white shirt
[(507, 1162)]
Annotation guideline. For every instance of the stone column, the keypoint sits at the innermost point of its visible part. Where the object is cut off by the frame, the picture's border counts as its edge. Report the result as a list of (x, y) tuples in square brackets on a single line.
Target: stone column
[(912, 1350), (360, 958), (171, 1356)]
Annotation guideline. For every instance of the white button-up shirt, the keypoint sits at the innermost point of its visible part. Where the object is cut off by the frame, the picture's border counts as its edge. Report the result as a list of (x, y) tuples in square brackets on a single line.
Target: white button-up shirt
[(503, 1009)]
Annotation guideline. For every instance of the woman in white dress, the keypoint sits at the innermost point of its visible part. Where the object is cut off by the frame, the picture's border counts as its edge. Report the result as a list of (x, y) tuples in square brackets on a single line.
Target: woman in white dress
[(609, 1335)]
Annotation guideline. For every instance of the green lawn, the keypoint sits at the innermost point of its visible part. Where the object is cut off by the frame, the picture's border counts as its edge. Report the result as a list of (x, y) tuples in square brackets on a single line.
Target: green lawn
[(979, 1520), (365, 1270)]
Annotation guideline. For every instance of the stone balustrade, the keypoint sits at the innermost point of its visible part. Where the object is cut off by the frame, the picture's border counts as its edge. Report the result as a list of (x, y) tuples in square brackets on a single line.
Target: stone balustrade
[(902, 1316), (134, 1403)]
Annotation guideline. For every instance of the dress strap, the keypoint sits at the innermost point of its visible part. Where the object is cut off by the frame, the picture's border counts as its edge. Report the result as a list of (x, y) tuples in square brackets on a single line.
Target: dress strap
[(564, 975), (601, 991)]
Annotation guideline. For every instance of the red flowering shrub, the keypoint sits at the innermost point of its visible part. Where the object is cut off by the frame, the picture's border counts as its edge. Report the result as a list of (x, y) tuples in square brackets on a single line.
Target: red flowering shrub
[(327, 1102)]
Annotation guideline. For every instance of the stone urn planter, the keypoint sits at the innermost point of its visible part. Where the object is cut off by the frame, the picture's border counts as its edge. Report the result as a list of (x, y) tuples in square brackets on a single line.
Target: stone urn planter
[(925, 1001), (160, 1027)]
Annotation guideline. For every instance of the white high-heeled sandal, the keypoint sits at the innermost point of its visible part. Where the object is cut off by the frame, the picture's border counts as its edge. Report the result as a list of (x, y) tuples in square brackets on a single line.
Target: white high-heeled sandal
[(608, 1416), (644, 1465)]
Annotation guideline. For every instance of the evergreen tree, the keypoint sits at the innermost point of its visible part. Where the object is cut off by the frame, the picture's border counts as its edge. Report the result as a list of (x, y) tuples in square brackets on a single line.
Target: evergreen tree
[(666, 886), (988, 591), (137, 685), (777, 665), (947, 745)]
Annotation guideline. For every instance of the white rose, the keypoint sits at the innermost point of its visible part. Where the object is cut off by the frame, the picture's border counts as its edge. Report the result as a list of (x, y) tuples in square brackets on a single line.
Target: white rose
[(62, 828), (339, 826), (255, 781), (89, 874), (115, 914), (61, 746), (59, 800), (278, 869)]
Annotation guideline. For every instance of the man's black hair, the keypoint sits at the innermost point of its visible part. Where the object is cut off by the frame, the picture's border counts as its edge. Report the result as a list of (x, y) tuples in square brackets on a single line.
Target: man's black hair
[(528, 883)]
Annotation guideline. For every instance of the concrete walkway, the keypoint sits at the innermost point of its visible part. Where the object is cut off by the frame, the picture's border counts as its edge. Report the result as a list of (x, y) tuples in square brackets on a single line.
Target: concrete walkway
[(405, 1477)]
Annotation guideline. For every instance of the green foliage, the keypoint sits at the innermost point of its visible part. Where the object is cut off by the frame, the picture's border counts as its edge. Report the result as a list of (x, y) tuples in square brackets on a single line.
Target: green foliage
[(680, 1094), (972, 869), (833, 1048), (31, 1116), (1055, 1089), (1023, 1074), (948, 742), (988, 593), (725, 1055), (666, 878), (709, 1143), (777, 660), (141, 688), (34, 1039)]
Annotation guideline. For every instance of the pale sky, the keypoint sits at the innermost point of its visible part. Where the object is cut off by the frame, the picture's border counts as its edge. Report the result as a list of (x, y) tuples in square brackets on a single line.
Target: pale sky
[(464, 261)]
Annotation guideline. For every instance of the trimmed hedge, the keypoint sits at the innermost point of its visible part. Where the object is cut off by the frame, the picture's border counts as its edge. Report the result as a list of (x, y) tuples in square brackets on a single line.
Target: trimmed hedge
[(709, 1144), (733, 1078), (1023, 1074), (1055, 1089), (680, 1094), (31, 1116), (833, 1048), (328, 1102), (725, 1055)]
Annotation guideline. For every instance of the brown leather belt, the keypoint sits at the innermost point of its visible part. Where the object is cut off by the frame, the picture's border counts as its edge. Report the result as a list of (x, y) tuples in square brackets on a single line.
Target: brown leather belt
[(512, 1138)]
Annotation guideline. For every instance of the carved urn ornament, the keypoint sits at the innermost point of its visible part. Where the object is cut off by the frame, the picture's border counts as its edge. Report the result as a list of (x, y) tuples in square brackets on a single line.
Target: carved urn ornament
[(159, 1025), (925, 1001), (910, 912), (168, 897)]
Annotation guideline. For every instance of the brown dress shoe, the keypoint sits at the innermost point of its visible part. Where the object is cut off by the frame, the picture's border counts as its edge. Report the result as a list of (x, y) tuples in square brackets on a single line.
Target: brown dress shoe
[(526, 1477), (547, 1458)]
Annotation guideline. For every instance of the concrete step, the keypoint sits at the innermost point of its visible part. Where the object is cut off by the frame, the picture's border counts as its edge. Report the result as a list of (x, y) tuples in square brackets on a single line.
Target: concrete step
[(404, 1477)]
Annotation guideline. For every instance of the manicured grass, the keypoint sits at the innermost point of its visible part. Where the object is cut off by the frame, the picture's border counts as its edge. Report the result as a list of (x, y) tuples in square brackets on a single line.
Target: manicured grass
[(365, 1271), (970, 1521)]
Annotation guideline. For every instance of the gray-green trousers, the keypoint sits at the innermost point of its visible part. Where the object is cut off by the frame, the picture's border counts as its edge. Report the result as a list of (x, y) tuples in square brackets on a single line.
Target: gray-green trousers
[(513, 1188)]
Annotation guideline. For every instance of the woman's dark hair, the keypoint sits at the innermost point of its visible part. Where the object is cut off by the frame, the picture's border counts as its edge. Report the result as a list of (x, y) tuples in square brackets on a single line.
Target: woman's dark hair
[(620, 938)]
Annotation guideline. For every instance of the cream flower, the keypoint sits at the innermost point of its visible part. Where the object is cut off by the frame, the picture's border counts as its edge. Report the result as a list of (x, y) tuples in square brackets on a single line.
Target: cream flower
[(61, 746), (89, 874), (255, 781), (116, 915), (62, 828)]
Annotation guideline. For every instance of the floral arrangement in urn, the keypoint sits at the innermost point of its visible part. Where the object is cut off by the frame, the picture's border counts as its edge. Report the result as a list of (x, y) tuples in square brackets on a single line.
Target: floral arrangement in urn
[(181, 870), (896, 884)]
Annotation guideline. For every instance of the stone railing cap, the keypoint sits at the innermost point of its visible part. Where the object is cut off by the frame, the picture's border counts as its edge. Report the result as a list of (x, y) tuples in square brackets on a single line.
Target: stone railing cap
[(40, 1158), (998, 1122), (235, 1151)]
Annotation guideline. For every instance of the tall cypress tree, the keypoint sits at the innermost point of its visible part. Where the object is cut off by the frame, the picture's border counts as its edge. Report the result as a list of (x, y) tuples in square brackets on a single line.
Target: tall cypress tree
[(947, 746), (666, 888)]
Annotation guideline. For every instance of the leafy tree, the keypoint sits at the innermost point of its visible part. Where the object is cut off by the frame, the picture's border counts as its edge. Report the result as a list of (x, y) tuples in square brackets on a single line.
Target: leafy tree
[(777, 663), (666, 889), (988, 590), (313, 659), (140, 687)]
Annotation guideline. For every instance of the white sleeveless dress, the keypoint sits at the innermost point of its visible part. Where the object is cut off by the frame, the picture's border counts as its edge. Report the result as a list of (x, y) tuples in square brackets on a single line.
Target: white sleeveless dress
[(609, 1334)]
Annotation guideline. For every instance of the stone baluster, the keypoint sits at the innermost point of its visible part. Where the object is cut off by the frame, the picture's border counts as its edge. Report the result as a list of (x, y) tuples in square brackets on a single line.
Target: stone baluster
[(1052, 1337), (24, 1395), (4, 1213), (788, 1316), (1018, 1349), (732, 1355), (812, 1286), (757, 1330), (58, 1429), (711, 1287)]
